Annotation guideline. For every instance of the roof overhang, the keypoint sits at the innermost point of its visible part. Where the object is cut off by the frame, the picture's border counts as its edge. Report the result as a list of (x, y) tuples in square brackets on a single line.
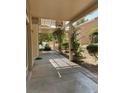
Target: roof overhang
[(66, 10)]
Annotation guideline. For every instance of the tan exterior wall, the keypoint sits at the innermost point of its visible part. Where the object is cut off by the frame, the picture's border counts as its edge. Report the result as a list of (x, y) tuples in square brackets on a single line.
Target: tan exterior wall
[(85, 30), (32, 45), (29, 47), (32, 39), (35, 49)]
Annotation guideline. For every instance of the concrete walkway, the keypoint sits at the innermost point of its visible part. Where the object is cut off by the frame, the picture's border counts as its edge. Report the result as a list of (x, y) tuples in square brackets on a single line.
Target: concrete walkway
[(44, 78)]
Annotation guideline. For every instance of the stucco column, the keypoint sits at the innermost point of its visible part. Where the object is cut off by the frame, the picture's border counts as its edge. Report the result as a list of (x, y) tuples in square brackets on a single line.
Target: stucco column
[(29, 45), (32, 36), (70, 43), (35, 28)]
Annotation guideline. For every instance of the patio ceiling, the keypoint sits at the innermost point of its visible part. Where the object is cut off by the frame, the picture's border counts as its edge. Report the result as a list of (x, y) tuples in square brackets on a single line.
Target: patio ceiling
[(66, 10)]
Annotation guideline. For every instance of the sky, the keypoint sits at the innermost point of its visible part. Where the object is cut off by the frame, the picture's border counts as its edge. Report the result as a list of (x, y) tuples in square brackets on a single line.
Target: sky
[(92, 15)]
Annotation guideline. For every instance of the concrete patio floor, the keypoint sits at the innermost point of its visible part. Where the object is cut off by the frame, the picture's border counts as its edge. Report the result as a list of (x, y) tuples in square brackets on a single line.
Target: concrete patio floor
[(44, 79)]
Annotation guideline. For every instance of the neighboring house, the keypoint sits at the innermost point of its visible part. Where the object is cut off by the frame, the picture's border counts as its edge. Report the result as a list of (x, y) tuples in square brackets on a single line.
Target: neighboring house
[(85, 31)]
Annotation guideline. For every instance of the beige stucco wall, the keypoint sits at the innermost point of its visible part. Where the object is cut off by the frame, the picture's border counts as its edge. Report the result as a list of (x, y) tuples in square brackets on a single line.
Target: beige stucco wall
[(34, 34), (32, 41), (85, 30), (32, 44)]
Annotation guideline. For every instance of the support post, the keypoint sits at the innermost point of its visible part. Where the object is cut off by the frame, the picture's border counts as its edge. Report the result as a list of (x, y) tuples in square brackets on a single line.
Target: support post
[(29, 46), (70, 43)]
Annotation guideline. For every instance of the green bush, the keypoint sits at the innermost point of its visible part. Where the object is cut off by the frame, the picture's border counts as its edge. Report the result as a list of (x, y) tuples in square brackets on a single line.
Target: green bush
[(93, 49), (47, 48), (38, 58), (41, 49), (65, 45), (76, 45), (94, 37)]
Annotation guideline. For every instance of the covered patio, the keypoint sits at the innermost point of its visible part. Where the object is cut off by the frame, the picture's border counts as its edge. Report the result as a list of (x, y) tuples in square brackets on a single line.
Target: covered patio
[(54, 73)]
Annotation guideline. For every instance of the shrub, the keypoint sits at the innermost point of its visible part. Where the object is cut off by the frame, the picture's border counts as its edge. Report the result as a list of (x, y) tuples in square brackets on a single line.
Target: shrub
[(65, 45), (93, 49), (94, 37), (47, 48), (40, 49), (76, 45), (38, 58)]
